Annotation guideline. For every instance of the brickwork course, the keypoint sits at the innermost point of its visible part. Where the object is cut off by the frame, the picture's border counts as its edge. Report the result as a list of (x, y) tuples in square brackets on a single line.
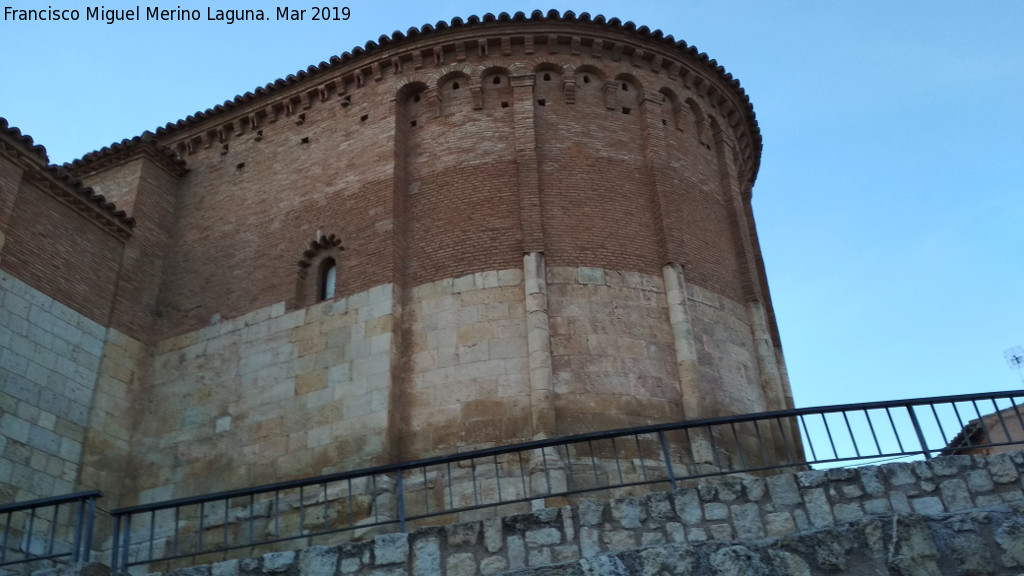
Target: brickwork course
[(541, 225)]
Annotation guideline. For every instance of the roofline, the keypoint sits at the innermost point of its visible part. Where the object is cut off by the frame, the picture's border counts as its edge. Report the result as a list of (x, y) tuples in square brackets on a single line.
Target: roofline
[(56, 181), (124, 150), (397, 38)]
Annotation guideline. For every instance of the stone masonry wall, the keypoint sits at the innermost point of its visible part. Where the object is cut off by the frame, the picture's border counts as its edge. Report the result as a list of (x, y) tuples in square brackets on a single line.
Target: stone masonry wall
[(467, 381), (613, 361), (725, 355), (49, 359), (950, 515), (269, 395)]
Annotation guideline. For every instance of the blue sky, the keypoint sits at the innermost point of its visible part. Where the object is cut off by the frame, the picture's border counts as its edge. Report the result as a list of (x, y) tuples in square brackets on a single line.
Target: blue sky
[(889, 201)]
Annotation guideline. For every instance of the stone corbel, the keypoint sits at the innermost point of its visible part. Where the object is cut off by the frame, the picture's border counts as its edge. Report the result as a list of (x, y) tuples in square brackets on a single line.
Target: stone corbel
[(686, 77), (617, 52), (574, 45), (521, 79), (478, 98), (636, 59), (326, 90), (696, 84), (506, 46), (673, 70), (653, 97), (569, 87), (256, 118), (432, 97), (274, 112), (611, 92), (460, 51)]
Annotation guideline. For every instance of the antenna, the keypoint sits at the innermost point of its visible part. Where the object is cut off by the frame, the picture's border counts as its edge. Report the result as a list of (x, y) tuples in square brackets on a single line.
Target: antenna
[(1015, 359)]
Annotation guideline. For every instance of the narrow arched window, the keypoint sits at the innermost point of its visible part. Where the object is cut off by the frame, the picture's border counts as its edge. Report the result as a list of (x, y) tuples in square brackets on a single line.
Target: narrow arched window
[(327, 279)]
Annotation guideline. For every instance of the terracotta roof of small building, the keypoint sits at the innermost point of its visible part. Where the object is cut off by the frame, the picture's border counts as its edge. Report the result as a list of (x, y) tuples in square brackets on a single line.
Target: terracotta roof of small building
[(65, 185), (117, 152)]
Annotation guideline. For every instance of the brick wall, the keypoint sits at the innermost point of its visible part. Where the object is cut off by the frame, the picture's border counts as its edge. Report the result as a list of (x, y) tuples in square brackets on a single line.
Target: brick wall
[(61, 253), (398, 162)]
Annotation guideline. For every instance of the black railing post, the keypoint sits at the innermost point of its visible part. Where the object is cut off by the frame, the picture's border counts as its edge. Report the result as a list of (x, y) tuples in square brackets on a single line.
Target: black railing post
[(401, 502), (89, 522), (116, 545), (920, 434), (76, 545), (668, 459), (127, 541)]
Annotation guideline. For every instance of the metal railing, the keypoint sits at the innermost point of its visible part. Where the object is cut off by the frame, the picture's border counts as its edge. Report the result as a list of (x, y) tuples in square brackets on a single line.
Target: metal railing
[(443, 488), (48, 529)]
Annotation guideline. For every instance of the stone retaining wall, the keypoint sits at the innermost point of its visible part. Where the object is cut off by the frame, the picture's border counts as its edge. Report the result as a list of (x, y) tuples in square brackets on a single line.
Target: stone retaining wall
[(951, 515)]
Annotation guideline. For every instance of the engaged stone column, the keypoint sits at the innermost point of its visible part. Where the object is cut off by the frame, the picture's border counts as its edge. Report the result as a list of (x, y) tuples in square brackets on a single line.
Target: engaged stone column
[(538, 342), (686, 359), (682, 335), (771, 382)]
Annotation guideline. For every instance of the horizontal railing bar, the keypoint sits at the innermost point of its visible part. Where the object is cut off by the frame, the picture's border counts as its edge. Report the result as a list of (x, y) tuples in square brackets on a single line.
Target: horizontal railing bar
[(51, 501), (33, 558), (561, 441)]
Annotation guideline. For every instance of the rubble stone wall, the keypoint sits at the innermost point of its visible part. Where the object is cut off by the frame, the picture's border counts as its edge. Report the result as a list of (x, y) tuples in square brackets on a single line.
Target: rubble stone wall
[(950, 515)]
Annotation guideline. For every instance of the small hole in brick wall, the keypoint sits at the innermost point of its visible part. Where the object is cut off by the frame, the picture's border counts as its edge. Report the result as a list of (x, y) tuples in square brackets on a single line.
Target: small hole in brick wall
[(455, 86), (496, 80), (625, 87), (625, 110), (542, 102), (504, 104), (413, 123), (547, 77), (240, 165), (223, 149), (664, 122), (364, 117), (305, 140), (586, 79), (416, 98)]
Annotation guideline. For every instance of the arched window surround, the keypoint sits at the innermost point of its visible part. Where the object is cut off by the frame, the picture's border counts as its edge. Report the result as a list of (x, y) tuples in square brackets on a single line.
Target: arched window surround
[(322, 258)]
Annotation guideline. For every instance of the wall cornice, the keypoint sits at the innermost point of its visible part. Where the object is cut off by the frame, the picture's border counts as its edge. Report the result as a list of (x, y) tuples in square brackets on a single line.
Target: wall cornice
[(63, 186), (489, 35), (124, 151)]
